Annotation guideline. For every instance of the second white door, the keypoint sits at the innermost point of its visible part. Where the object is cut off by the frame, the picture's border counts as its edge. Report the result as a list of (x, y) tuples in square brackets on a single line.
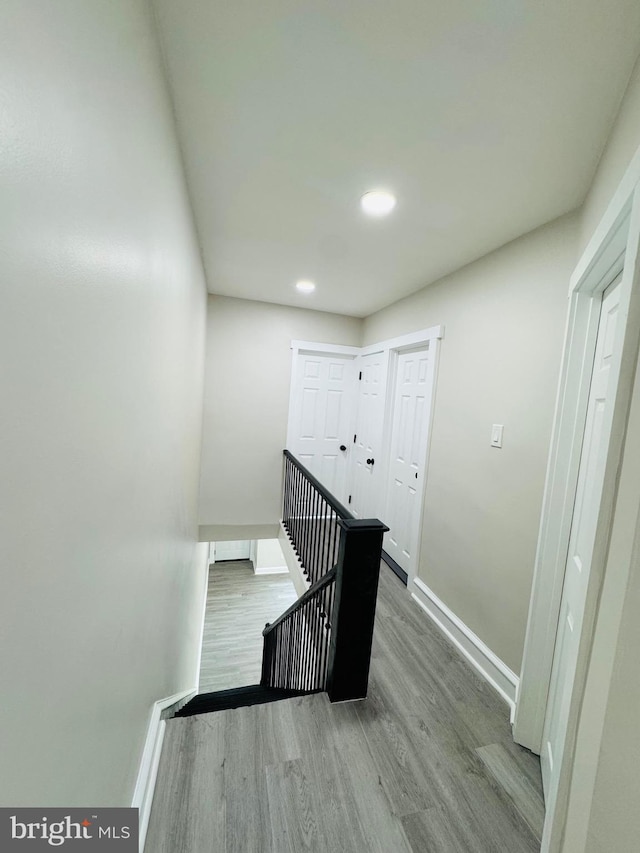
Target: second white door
[(367, 439), (581, 543), (407, 455)]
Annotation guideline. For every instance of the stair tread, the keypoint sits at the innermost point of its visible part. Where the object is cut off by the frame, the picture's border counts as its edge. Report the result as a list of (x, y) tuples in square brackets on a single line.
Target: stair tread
[(238, 697)]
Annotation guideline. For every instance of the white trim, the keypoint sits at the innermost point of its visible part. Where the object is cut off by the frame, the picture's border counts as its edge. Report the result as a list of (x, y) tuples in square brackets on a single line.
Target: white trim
[(486, 662), (330, 349), (613, 245), (597, 272), (411, 339), (607, 225), (623, 366), (295, 567), (148, 769), (271, 570)]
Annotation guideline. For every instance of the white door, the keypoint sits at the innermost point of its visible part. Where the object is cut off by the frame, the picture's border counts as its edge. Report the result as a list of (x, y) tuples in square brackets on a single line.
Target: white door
[(321, 426), (367, 439), (581, 542), (237, 550), (408, 449)]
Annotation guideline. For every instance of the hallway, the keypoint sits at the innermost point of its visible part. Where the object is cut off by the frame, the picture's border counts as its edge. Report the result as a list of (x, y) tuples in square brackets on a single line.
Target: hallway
[(426, 763), (239, 604)]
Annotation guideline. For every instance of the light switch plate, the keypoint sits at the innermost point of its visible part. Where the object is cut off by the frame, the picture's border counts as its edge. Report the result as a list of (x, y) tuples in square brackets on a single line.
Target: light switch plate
[(496, 435)]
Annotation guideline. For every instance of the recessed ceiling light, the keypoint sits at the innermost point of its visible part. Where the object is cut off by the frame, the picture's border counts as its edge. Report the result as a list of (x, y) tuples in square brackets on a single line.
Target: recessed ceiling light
[(378, 202), (305, 286)]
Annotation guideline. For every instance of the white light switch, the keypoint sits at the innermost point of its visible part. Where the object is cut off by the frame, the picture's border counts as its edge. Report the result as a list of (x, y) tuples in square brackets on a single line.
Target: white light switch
[(496, 435)]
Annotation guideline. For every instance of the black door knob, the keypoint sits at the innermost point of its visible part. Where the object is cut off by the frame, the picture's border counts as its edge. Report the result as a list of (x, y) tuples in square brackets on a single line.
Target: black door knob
[(370, 461), (343, 447)]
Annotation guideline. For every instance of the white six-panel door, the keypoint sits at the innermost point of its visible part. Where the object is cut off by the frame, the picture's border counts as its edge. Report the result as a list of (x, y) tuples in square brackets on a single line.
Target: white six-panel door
[(583, 529), (408, 444), (322, 417)]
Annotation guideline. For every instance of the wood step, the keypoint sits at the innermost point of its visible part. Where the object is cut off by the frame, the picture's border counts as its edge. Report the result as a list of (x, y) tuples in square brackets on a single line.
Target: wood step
[(237, 697)]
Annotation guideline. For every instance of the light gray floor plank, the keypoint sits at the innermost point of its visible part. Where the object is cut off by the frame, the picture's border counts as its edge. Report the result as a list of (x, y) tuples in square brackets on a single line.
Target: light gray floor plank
[(522, 784), (192, 793), (425, 765), (294, 823), (239, 604)]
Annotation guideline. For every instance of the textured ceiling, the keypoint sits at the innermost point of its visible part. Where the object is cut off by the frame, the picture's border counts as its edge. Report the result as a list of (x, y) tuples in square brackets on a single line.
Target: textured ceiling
[(486, 119)]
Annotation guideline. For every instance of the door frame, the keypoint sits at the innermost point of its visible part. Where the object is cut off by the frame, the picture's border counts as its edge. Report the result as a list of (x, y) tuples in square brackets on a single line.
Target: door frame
[(612, 249), (428, 338)]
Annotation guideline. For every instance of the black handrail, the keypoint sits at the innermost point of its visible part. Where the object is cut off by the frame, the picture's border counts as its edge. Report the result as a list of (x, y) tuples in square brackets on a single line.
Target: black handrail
[(298, 644), (310, 516), (309, 594)]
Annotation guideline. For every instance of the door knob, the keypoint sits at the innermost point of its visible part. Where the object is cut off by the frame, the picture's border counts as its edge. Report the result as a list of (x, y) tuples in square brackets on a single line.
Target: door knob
[(370, 461), (343, 447)]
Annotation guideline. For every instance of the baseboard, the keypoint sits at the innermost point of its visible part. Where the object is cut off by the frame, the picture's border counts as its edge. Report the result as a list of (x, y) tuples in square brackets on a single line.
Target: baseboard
[(395, 568), (148, 770), (271, 570), (487, 663), (293, 563)]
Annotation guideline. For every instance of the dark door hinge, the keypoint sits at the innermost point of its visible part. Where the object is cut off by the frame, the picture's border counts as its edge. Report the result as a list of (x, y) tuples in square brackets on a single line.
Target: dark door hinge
[(360, 377), (349, 498)]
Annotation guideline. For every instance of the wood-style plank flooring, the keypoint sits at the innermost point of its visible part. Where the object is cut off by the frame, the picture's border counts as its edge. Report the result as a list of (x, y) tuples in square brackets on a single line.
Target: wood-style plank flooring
[(239, 604), (425, 765)]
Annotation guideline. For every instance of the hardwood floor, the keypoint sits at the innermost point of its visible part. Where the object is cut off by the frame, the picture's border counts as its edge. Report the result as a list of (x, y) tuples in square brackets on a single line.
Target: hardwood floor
[(239, 604), (425, 765)]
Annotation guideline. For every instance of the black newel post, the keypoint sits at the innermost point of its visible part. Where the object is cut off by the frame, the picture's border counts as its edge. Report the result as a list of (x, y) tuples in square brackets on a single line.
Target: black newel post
[(357, 573)]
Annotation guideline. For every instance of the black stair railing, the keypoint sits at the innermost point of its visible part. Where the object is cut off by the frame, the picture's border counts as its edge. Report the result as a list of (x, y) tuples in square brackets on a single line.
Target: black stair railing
[(296, 645), (323, 641), (310, 516)]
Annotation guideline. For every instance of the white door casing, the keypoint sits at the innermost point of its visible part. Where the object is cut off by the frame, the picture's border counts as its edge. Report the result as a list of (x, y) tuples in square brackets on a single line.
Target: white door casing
[(411, 409), (321, 421), (581, 542), (613, 248)]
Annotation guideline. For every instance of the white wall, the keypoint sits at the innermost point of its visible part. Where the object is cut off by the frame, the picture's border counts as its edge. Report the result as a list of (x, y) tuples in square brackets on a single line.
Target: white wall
[(247, 385), (621, 146), (504, 318), (268, 557), (102, 325)]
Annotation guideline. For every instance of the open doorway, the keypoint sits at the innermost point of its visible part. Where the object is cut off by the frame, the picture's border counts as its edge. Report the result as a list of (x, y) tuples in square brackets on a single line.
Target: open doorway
[(249, 585)]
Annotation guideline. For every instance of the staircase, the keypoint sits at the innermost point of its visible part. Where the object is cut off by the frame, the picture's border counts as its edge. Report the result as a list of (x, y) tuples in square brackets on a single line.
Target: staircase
[(323, 641)]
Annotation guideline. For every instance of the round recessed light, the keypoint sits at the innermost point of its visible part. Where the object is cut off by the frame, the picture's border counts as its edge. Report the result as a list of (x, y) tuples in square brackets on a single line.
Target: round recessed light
[(305, 286), (378, 202)]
